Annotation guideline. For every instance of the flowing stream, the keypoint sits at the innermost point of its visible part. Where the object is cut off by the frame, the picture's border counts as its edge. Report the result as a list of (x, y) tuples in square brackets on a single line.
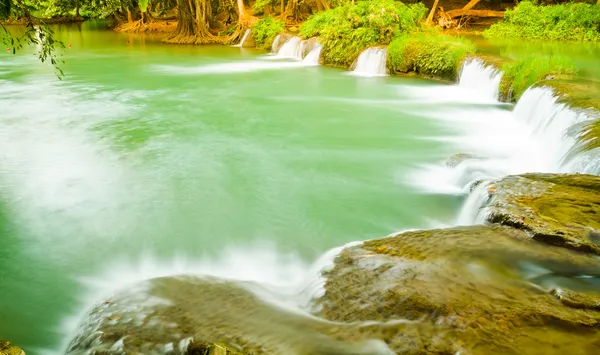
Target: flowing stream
[(150, 160)]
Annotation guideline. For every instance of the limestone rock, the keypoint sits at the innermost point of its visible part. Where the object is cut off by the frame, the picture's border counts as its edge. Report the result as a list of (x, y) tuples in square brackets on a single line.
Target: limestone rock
[(557, 209), (198, 315), (481, 284)]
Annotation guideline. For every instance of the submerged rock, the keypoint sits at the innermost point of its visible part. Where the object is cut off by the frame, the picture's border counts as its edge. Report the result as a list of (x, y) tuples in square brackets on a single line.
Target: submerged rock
[(458, 158), (487, 285), (7, 348), (556, 209), (194, 315)]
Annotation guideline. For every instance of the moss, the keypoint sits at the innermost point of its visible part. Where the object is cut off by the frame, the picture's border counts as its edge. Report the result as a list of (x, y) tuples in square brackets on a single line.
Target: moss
[(524, 72), (346, 30), (557, 209), (470, 282), (265, 30), (429, 54)]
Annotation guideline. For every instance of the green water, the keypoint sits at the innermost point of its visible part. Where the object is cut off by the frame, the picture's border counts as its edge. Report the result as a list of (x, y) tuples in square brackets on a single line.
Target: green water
[(130, 154)]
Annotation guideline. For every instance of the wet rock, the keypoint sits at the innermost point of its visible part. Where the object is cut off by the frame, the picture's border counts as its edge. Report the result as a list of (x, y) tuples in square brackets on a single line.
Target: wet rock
[(458, 158), (479, 283), (249, 42), (195, 315), (311, 44), (556, 209), (293, 29), (283, 37), (7, 348)]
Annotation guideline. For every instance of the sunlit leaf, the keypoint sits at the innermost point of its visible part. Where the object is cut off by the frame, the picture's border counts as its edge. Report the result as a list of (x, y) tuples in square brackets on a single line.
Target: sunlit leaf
[(143, 5)]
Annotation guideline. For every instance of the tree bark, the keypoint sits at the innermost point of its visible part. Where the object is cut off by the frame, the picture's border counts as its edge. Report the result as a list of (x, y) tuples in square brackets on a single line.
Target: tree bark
[(432, 12), (470, 5)]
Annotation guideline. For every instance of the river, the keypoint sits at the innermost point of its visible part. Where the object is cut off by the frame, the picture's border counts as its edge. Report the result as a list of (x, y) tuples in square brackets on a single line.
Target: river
[(151, 160)]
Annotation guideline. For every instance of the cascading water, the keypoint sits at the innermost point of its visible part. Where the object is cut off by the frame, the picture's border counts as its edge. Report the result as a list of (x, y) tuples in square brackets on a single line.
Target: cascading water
[(292, 49), (313, 56), (275, 44), (244, 38), (480, 79), (371, 62)]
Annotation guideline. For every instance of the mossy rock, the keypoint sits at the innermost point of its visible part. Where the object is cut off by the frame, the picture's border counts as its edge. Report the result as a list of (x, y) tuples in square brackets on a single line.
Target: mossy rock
[(211, 316), (7, 348), (557, 209), (474, 283)]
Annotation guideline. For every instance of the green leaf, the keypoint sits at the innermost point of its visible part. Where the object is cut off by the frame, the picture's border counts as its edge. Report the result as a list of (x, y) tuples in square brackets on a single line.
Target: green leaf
[(5, 6), (143, 5)]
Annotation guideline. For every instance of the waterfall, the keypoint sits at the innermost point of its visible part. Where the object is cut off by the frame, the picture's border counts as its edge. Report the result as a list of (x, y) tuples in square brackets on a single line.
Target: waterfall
[(371, 62), (292, 49), (481, 79), (275, 44), (246, 34), (542, 138), (313, 56)]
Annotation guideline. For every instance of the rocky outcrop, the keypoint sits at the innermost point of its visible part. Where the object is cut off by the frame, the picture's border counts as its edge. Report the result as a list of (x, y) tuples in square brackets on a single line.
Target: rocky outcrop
[(7, 348), (492, 289), (562, 210), (196, 315)]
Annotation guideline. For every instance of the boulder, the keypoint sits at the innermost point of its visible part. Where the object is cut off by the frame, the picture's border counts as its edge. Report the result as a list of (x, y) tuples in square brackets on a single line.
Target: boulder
[(200, 315), (556, 209), (279, 41), (490, 289)]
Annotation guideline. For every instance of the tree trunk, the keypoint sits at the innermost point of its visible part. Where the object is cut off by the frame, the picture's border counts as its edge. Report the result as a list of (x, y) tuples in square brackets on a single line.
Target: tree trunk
[(470, 5), (475, 13), (432, 12), (77, 15)]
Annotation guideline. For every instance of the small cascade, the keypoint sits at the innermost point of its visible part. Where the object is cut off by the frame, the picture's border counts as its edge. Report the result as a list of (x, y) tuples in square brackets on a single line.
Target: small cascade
[(481, 79), (313, 56), (275, 44), (543, 139), (246, 34), (292, 49), (471, 211), (371, 62)]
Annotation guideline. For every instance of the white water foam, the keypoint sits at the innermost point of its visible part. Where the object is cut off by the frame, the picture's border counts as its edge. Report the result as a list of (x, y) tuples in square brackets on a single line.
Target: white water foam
[(275, 44), (537, 136), (230, 68), (481, 80), (371, 62), (292, 49), (313, 57)]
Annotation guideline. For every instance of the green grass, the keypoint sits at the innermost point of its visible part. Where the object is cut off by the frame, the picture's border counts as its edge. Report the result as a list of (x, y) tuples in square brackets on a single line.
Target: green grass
[(526, 71), (570, 21), (346, 30), (429, 54), (265, 30)]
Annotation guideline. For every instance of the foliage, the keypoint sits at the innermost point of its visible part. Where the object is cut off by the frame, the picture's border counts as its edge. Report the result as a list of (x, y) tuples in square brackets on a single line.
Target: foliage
[(429, 53), (346, 30), (5, 6), (570, 21), (524, 72), (265, 30), (259, 5)]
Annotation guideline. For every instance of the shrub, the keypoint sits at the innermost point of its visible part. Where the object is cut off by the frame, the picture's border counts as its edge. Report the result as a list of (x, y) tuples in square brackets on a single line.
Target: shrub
[(346, 30), (524, 72), (571, 21), (265, 30), (429, 53)]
